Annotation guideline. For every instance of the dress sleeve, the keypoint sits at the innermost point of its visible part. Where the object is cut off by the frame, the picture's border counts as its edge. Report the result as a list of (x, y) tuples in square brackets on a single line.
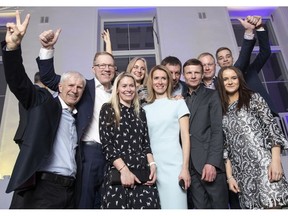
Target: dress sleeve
[(182, 109), (107, 133), (273, 134), (146, 140)]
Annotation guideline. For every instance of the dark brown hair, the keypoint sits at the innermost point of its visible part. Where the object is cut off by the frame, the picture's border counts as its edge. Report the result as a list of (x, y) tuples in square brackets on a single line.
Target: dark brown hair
[(244, 91)]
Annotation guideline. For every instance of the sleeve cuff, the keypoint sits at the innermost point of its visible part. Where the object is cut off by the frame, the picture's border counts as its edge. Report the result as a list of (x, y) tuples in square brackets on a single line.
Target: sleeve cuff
[(46, 53), (248, 36), (260, 29)]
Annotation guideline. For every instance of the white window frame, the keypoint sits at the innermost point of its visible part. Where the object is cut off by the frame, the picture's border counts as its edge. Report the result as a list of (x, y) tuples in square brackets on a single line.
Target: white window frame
[(124, 53)]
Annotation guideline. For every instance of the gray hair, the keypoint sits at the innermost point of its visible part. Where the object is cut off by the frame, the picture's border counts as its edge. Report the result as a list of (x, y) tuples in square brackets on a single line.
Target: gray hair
[(65, 76)]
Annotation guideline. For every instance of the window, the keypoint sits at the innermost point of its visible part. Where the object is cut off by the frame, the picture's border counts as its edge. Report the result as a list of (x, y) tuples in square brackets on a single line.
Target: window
[(132, 38), (273, 73)]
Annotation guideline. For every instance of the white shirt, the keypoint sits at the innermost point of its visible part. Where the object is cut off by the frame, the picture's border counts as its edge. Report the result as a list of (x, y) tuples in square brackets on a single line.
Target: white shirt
[(101, 97)]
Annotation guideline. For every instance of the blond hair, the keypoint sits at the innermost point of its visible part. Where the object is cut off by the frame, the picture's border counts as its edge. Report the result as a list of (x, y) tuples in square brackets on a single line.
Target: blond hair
[(115, 101)]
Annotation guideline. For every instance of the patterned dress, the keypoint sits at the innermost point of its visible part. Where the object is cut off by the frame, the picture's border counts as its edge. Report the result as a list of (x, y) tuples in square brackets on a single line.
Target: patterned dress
[(142, 95), (130, 142), (249, 136)]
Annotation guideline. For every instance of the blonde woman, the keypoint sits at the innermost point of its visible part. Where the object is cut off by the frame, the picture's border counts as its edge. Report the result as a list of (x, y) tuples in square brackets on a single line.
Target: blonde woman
[(139, 70), (126, 146), (167, 119)]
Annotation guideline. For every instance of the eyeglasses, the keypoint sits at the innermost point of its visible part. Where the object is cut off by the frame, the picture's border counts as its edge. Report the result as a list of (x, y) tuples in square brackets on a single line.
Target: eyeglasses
[(103, 66), (209, 65)]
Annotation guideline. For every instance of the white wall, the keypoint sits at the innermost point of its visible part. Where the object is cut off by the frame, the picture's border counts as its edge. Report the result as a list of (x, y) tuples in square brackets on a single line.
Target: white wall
[(184, 35)]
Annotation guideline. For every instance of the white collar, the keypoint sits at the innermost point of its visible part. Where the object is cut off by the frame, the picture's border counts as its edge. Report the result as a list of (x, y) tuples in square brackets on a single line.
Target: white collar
[(65, 106)]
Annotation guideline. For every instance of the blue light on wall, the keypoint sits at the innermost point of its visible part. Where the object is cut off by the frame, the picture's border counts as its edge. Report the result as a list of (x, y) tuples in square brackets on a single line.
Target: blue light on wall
[(246, 11)]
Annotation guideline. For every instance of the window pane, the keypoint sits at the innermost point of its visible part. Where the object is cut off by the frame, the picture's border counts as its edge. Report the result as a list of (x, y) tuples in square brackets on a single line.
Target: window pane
[(280, 95), (274, 68), (141, 36), (118, 35), (276, 83), (130, 35), (273, 80)]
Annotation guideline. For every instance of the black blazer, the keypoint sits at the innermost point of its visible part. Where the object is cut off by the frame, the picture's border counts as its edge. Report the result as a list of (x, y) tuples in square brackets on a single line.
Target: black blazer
[(42, 122), (23, 115), (251, 74), (23, 118)]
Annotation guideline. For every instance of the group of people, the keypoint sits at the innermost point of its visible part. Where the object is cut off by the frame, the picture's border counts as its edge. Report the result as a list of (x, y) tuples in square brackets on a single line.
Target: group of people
[(143, 140)]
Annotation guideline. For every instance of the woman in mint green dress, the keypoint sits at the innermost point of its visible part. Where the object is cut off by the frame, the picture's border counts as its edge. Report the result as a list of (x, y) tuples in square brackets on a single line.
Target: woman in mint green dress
[(168, 118)]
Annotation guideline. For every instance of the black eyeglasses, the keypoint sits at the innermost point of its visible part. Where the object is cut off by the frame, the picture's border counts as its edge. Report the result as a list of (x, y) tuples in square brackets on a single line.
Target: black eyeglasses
[(103, 66)]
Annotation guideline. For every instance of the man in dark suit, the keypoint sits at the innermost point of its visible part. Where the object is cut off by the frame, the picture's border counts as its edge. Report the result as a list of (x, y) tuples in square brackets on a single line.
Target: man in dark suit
[(208, 180), (45, 169), (91, 160)]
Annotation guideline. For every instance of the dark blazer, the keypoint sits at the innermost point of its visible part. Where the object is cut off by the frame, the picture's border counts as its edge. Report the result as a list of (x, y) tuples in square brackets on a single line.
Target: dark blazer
[(42, 122), (23, 115), (251, 74), (243, 60), (206, 134), (23, 118)]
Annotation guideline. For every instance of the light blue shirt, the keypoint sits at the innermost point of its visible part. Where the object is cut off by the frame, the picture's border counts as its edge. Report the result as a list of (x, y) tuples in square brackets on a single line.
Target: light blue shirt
[(62, 158)]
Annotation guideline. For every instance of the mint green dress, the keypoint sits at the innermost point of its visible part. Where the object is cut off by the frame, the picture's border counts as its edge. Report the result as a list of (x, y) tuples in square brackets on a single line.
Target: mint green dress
[(163, 126)]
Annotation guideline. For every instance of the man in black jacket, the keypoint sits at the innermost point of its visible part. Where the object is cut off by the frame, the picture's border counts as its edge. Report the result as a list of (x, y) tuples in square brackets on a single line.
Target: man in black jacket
[(45, 169)]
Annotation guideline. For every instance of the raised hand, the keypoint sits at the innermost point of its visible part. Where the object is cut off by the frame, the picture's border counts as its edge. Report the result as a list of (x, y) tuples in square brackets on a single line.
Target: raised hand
[(106, 37), (255, 20), (49, 38), (15, 32), (249, 22)]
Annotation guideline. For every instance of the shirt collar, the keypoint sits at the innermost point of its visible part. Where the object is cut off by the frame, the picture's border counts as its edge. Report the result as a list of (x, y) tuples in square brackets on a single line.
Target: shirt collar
[(212, 83), (65, 106), (99, 85), (194, 91)]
